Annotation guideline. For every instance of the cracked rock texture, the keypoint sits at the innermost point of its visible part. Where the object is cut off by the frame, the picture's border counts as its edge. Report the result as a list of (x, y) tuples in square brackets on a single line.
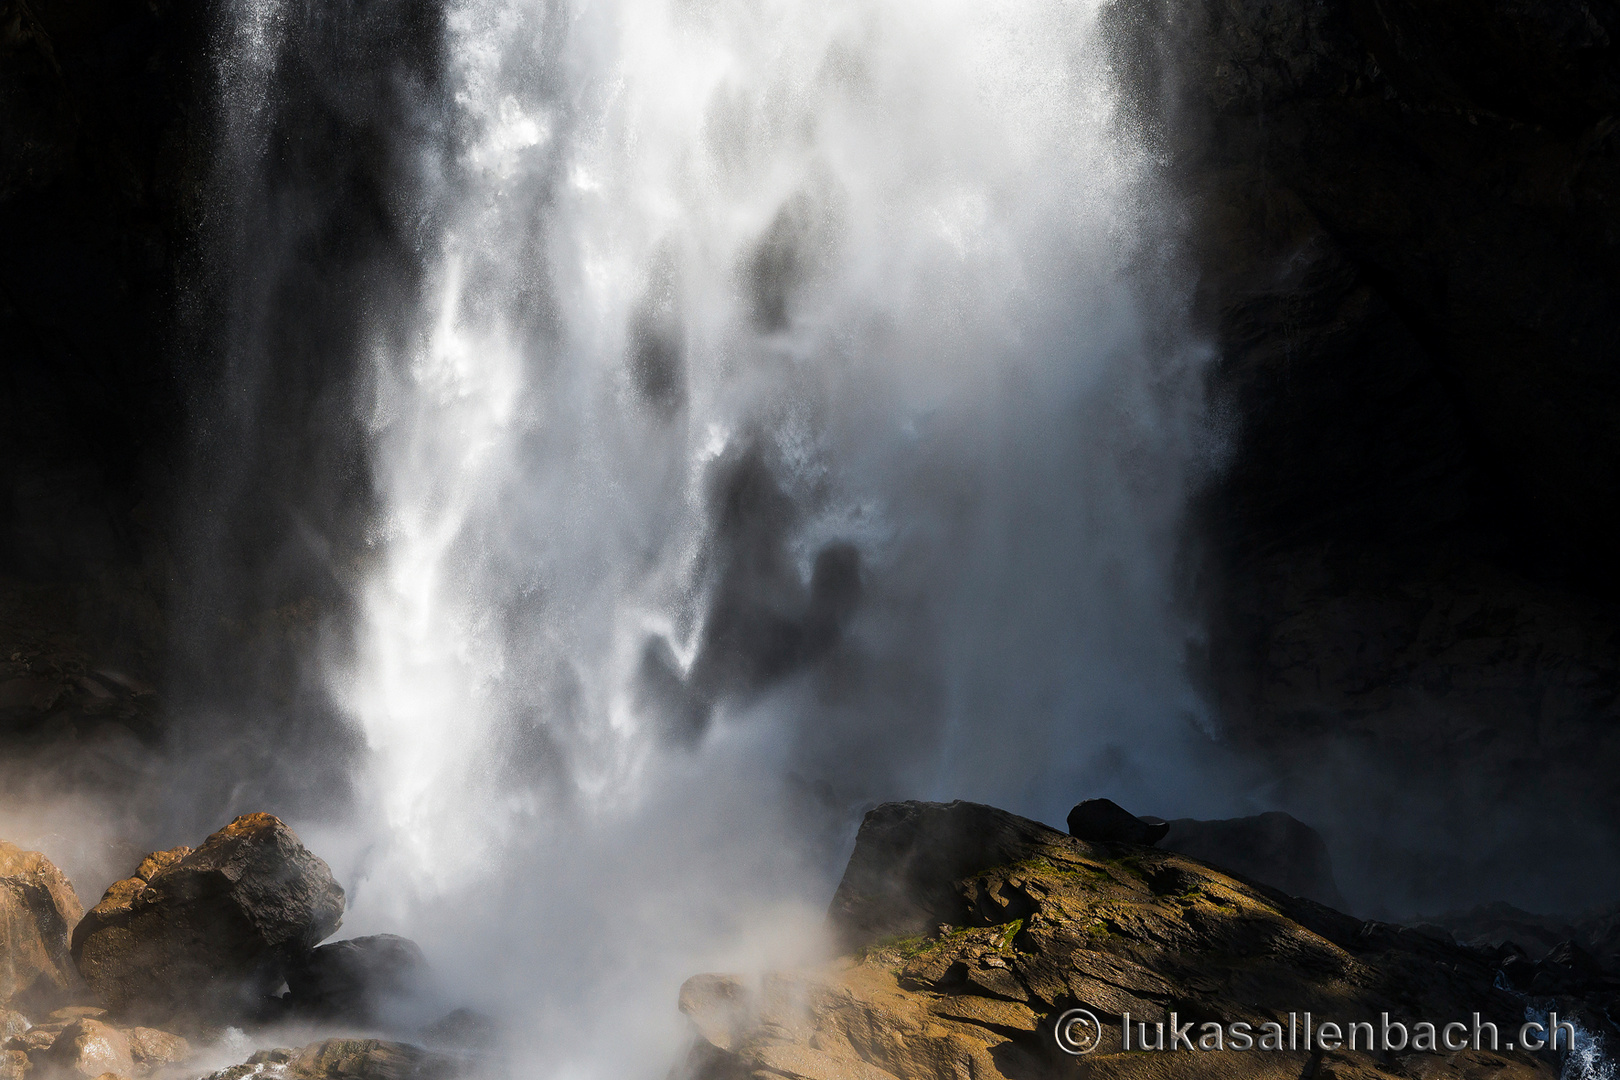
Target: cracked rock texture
[(1043, 922)]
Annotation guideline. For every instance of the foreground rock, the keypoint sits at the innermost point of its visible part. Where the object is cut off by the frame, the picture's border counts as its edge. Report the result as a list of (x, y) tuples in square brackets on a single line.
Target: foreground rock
[(87, 1048), (206, 936), (38, 910), (345, 1059), (152, 1049), (78, 1042), (1274, 848), (973, 929)]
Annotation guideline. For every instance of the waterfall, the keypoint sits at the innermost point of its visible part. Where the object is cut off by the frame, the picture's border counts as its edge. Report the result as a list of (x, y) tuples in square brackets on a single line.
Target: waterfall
[(794, 411)]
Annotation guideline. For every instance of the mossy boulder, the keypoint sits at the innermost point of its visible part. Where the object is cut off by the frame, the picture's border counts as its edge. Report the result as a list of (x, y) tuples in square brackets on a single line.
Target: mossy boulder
[(971, 930)]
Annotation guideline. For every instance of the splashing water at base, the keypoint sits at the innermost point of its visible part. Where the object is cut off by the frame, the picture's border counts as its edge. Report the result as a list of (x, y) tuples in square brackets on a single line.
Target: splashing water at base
[(790, 429)]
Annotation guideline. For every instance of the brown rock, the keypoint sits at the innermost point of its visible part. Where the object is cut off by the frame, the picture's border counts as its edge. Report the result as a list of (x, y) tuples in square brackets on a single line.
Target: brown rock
[(38, 910), (14, 1065), (1049, 922), (34, 1038), (900, 877), (151, 1048), (206, 935), (71, 1013), (370, 1059), (88, 1048)]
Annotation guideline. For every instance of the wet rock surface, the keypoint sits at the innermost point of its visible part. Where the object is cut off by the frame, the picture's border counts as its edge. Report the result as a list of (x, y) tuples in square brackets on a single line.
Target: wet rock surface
[(345, 1059), (208, 935), (81, 1041), (87, 1048), (1043, 922), (38, 910)]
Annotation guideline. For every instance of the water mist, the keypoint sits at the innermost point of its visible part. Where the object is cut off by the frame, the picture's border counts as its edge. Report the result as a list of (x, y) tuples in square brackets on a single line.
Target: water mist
[(795, 416)]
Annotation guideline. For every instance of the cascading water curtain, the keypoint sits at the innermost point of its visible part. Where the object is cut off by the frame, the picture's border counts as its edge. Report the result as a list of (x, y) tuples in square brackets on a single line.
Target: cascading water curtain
[(789, 430)]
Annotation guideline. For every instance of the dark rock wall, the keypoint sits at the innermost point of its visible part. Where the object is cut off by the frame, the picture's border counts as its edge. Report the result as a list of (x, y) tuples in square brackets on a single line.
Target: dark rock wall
[(1408, 218), (102, 141), (197, 242)]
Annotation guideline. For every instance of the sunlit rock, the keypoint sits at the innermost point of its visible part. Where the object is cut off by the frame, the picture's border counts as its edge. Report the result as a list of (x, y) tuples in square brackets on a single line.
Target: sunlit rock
[(1032, 923), (152, 1049), (38, 909), (209, 934), (87, 1048)]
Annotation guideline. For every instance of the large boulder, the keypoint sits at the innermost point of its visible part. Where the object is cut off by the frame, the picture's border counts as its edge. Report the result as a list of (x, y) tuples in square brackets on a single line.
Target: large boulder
[(1043, 923), (1274, 848), (357, 980), (344, 1059), (152, 1049), (38, 910), (208, 935)]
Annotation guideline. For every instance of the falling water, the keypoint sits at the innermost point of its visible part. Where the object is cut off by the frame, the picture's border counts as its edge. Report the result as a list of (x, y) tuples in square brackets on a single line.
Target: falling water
[(797, 417)]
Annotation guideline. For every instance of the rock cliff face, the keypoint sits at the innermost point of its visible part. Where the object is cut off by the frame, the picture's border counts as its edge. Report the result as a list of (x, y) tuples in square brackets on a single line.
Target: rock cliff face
[(986, 927), (1406, 216)]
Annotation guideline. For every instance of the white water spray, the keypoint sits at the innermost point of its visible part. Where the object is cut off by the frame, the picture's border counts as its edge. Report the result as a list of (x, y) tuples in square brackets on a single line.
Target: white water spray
[(787, 432)]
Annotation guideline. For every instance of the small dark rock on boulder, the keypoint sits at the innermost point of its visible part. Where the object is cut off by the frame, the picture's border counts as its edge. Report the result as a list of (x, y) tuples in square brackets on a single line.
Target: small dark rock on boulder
[(1105, 821), (357, 980)]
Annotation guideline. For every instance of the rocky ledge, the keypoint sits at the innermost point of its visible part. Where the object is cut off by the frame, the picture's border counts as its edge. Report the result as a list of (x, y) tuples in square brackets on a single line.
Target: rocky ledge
[(967, 932), (179, 962)]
